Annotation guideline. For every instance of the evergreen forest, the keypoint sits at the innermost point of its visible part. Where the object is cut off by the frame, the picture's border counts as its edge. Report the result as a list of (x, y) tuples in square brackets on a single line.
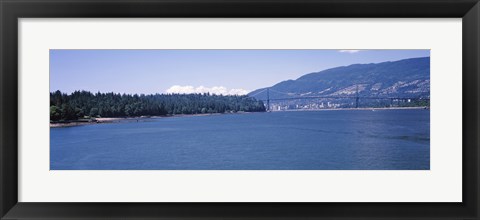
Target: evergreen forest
[(84, 104)]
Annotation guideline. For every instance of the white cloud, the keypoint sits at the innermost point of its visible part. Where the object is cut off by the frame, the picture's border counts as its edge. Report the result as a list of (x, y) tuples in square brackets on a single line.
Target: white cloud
[(349, 51), (219, 90)]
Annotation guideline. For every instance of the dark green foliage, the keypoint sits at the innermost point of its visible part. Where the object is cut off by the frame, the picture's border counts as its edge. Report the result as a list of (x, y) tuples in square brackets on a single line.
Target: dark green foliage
[(82, 104), (55, 113)]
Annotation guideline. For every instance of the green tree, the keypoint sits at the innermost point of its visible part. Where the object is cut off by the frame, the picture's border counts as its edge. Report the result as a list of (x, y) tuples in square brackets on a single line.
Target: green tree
[(93, 112)]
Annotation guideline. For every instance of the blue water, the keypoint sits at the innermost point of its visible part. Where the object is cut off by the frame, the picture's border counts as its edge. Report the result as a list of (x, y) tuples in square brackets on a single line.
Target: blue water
[(299, 140)]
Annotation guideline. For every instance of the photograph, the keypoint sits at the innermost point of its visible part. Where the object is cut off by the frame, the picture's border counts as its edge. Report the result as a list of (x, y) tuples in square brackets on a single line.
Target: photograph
[(239, 109), (260, 110)]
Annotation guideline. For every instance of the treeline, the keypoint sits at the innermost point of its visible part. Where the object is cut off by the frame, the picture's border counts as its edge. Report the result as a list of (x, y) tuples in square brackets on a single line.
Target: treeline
[(84, 104)]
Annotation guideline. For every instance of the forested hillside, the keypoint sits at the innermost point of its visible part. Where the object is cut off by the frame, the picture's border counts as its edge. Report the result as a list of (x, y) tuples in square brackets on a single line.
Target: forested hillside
[(82, 104), (403, 78)]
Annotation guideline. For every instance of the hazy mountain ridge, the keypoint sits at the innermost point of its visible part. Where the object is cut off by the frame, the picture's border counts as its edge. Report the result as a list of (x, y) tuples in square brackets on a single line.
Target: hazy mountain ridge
[(403, 78)]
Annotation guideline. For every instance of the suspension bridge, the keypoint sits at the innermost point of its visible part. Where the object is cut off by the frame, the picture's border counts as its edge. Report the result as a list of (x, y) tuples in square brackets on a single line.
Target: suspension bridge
[(356, 97)]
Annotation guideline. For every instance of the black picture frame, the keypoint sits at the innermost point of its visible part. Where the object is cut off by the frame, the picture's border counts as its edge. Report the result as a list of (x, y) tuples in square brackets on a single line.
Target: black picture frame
[(11, 10)]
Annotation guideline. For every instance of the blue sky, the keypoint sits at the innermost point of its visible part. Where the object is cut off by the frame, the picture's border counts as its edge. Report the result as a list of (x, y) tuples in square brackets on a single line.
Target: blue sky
[(186, 71)]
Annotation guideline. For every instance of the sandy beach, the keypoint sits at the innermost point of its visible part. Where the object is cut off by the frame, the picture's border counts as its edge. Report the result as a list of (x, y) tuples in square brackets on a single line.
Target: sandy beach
[(125, 119), (98, 121)]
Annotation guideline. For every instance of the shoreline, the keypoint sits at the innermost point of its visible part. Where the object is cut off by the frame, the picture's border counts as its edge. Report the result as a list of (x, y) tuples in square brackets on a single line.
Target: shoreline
[(126, 119), (356, 109), (144, 118)]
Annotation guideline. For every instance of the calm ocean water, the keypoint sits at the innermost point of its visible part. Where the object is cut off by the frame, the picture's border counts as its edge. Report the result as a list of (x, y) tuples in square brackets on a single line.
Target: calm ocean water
[(299, 140)]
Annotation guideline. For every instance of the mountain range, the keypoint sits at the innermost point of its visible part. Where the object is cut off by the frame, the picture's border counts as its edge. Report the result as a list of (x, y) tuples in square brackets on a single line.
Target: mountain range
[(403, 78)]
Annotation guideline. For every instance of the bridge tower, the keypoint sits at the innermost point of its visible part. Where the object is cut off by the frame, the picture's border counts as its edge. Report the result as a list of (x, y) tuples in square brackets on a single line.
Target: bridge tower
[(268, 100), (356, 98)]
